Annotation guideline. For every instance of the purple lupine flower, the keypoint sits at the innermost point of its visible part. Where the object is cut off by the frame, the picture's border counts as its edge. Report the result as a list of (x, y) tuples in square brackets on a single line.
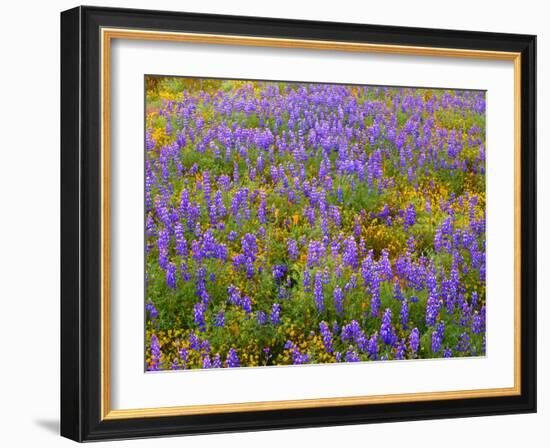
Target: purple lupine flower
[(372, 346), (334, 212), (414, 340), (385, 268), (206, 363), (352, 332), (232, 359), (219, 207), (246, 304), (163, 244), (438, 239), (198, 315), (307, 281), (279, 271), (463, 345), (432, 304), (478, 321), (401, 350), (171, 274), (397, 294), (207, 191), (219, 320), (387, 332), (352, 356), (234, 295), (315, 253), (474, 299), (349, 256), (465, 314), (299, 358), (437, 337), (205, 346), (262, 208), (318, 292), (217, 362), (410, 216), (184, 357), (249, 246), (275, 316), (261, 317), (367, 269), (150, 310), (375, 298), (156, 354), (194, 341), (404, 313), (181, 242), (292, 249), (327, 336)]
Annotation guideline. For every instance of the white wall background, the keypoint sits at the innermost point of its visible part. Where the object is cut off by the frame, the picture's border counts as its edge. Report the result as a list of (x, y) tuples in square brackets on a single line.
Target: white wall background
[(29, 220)]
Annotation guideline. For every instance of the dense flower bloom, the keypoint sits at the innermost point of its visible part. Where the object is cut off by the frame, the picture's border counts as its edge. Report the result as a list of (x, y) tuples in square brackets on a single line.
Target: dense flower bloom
[(328, 215)]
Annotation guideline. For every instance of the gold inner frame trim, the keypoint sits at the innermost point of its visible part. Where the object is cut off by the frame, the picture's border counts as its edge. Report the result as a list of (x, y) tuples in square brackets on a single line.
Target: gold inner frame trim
[(107, 35)]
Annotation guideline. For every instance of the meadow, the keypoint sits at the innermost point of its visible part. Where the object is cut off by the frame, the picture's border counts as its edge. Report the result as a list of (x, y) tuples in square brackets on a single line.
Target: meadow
[(298, 223)]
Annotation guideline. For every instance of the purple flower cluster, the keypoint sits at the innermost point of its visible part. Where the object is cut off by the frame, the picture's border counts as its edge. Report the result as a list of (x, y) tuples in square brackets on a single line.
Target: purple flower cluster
[(351, 215)]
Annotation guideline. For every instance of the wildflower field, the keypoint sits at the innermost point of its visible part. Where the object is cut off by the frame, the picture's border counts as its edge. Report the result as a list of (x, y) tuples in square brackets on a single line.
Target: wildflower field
[(298, 223)]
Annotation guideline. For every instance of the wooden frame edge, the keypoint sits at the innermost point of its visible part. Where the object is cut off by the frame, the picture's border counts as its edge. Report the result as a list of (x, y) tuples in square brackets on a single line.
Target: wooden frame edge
[(106, 36)]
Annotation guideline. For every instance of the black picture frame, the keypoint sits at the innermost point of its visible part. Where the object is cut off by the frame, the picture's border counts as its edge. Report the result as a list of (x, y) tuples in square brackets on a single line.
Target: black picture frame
[(81, 224)]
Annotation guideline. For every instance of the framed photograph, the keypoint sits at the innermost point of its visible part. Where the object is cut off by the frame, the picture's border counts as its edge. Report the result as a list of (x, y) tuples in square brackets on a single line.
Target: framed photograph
[(273, 223)]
